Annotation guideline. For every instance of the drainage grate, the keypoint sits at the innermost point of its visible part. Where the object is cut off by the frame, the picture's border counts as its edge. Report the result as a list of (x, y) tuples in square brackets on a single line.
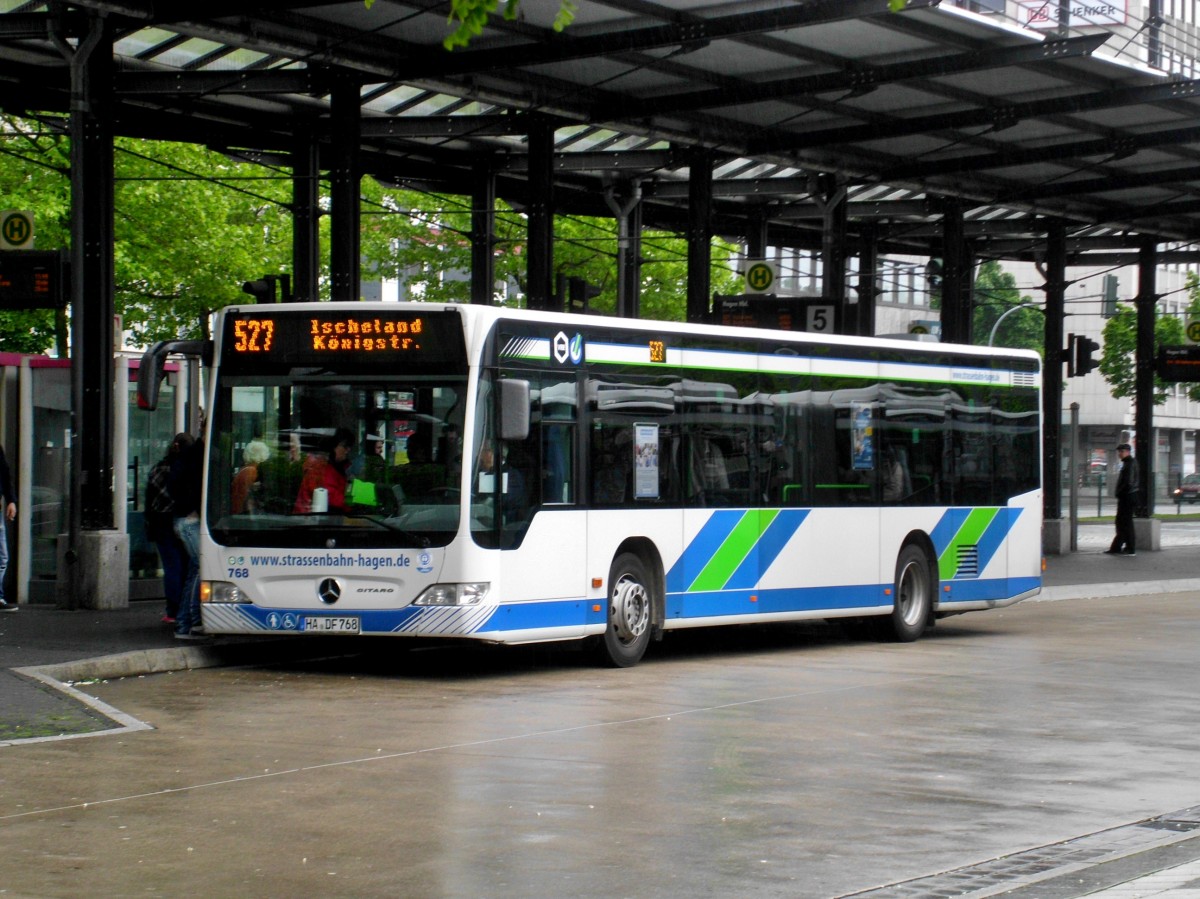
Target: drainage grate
[(1000, 875)]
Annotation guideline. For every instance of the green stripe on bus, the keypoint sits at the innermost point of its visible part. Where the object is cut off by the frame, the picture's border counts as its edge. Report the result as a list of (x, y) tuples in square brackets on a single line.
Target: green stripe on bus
[(968, 535), (734, 550)]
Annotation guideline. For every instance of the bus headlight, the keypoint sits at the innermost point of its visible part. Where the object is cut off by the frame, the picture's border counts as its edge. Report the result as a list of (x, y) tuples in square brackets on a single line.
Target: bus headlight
[(453, 594), (221, 591)]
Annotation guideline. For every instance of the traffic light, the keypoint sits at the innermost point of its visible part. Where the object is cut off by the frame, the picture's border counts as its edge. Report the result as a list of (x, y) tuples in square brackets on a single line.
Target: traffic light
[(263, 290), (1081, 355), (579, 293)]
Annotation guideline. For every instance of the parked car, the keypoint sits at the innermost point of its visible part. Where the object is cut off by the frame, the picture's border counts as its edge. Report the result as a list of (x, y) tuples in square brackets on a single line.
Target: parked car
[(1188, 490)]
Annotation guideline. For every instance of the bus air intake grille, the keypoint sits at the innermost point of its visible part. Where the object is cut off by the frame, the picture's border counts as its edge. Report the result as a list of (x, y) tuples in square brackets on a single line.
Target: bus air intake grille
[(968, 561), (1025, 379)]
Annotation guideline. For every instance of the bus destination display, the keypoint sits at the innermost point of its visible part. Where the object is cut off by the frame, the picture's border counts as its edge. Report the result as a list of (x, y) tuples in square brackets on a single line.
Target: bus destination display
[(303, 339), (348, 334)]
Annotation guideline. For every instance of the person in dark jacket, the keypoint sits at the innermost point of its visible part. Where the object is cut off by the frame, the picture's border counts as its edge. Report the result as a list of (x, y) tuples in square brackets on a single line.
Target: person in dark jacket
[(187, 476), (160, 526), (8, 496), (1124, 543)]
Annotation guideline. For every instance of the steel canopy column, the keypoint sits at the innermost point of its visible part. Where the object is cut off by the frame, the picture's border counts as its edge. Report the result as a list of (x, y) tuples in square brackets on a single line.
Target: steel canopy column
[(868, 282), (626, 209), (1146, 301), (344, 176), (93, 570), (830, 193), (306, 216), (539, 263), (632, 266), (756, 238), (91, 271), (956, 276), (1052, 375), (700, 233), (483, 230)]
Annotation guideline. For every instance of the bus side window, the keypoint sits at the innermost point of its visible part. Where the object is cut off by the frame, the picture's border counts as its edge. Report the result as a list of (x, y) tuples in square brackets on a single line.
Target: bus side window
[(611, 465), (557, 453)]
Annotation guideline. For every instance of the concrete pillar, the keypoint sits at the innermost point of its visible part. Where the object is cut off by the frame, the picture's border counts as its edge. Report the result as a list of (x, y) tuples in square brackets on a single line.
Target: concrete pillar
[(102, 559)]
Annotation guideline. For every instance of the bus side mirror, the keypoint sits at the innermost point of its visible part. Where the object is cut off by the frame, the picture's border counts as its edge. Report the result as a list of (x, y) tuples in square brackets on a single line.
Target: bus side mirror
[(514, 409), (154, 361)]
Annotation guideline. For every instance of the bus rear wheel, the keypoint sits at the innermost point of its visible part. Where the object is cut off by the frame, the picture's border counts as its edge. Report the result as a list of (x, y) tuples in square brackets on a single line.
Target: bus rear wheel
[(630, 612), (913, 601)]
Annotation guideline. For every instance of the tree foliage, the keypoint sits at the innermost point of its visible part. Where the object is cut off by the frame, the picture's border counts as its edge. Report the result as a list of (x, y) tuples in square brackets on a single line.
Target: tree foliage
[(189, 227), (424, 241), (470, 17), (1118, 360), (994, 296), (35, 176)]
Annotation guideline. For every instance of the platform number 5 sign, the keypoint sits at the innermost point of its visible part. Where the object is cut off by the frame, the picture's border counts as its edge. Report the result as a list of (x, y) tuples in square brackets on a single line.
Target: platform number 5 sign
[(16, 230)]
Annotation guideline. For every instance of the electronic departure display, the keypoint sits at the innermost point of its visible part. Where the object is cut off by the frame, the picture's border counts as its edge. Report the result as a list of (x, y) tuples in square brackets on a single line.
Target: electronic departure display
[(355, 338)]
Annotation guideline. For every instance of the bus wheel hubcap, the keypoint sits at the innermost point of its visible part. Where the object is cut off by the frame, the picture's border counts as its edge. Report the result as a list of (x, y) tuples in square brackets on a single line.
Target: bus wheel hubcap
[(912, 593), (630, 610)]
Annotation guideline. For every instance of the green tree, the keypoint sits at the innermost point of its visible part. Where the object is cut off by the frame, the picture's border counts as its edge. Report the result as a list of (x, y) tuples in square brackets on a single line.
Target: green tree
[(424, 240), (995, 295), (189, 227), (1119, 356), (35, 176)]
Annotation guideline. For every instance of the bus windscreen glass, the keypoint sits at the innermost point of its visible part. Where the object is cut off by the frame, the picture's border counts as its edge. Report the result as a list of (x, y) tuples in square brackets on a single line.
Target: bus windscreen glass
[(337, 430)]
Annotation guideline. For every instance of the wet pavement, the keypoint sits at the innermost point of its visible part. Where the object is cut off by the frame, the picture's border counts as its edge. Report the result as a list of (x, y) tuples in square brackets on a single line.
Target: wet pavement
[(780, 762), (42, 648)]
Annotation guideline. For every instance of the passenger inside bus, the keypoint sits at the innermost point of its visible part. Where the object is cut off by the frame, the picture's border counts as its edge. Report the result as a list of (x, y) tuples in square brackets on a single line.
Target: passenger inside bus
[(895, 484), (325, 470), (246, 486), (510, 478)]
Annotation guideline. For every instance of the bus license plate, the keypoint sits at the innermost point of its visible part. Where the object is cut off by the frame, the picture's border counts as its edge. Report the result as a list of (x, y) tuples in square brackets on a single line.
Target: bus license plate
[(331, 624)]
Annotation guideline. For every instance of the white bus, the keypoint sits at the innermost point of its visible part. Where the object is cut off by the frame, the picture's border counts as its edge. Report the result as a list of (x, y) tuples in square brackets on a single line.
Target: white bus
[(643, 476)]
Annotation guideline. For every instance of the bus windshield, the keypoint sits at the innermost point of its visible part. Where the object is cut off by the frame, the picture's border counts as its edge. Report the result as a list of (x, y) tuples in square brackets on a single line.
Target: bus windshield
[(357, 450), (320, 458)]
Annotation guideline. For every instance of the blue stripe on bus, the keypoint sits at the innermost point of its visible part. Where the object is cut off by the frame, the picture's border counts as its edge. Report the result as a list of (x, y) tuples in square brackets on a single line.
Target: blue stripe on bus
[(514, 616), (988, 589), (716, 603), (767, 549), (995, 534), (567, 613), (943, 533), (697, 553)]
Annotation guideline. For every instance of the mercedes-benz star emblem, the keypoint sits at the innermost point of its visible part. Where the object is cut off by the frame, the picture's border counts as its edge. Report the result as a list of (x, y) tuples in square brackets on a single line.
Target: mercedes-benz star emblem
[(330, 591)]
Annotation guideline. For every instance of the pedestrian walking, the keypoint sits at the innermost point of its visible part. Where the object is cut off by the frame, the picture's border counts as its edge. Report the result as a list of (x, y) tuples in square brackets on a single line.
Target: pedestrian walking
[(160, 526), (187, 474), (1125, 543), (8, 495)]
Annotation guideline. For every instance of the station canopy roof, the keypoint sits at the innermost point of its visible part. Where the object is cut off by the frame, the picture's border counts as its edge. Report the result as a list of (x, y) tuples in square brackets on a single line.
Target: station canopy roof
[(795, 100)]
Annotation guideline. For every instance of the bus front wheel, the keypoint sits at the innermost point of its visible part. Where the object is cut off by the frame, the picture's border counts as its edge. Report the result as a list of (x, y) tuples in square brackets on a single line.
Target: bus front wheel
[(630, 612), (913, 604)]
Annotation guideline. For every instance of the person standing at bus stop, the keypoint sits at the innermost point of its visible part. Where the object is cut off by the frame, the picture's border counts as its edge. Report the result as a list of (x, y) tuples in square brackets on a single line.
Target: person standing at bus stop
[(8, 490), (160, 526), (187, 474), (1124, 543)]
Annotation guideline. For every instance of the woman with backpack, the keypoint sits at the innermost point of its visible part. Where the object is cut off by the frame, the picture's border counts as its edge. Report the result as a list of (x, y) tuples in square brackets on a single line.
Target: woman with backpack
[(160, 526)]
